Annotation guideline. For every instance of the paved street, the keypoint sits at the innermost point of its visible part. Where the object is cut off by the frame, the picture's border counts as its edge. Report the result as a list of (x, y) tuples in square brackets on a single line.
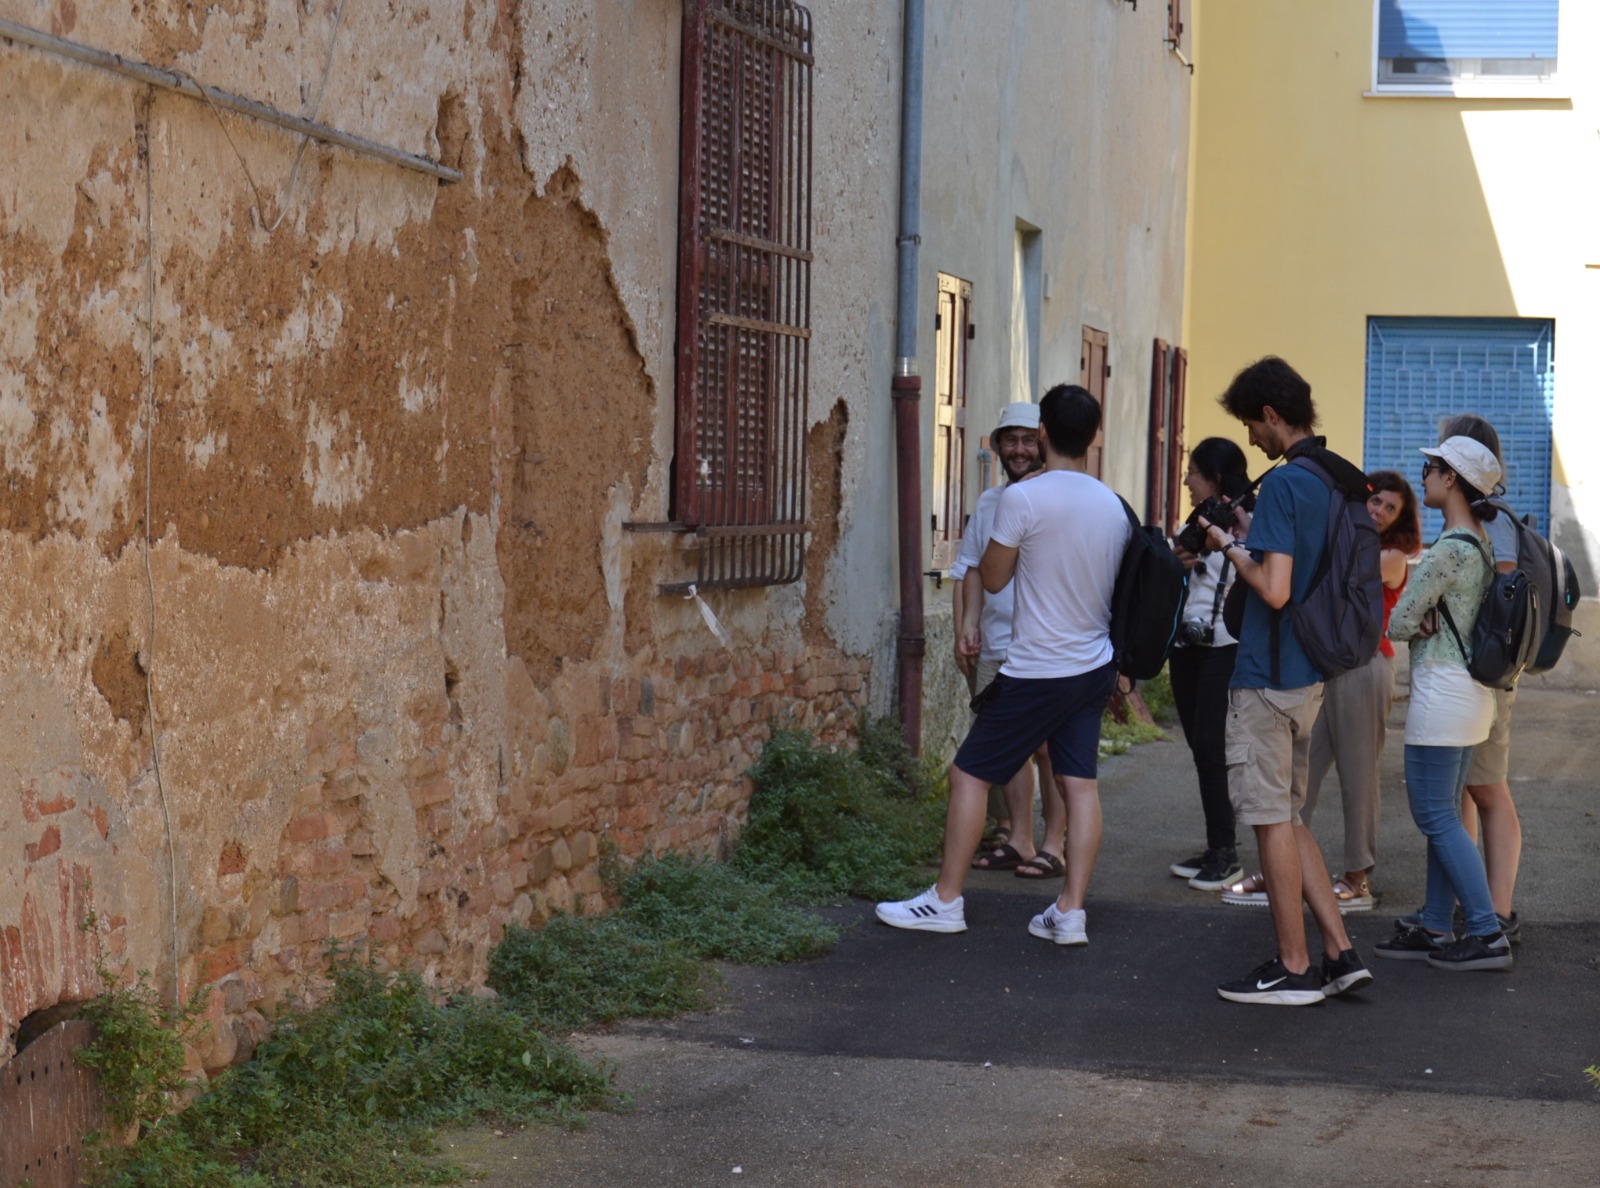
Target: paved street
[(912, 1058)]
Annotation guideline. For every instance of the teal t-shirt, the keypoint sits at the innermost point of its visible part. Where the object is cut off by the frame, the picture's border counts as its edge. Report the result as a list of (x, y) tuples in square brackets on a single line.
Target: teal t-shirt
[(1291, 517)]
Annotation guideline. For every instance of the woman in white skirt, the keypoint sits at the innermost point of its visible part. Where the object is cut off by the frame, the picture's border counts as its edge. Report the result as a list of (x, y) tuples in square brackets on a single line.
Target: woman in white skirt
[(1450, 712)]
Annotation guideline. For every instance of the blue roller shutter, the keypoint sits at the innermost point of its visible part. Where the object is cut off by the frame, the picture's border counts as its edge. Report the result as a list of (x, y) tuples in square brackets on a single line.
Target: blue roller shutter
[(1467, 28), (1421, 370)]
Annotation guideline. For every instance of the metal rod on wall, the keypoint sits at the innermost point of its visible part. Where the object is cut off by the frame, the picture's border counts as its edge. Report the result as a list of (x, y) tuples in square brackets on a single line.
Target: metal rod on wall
[(172, 80)]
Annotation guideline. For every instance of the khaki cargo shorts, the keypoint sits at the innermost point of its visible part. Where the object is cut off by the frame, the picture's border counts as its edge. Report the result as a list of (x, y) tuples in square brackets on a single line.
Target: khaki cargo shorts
[(1269, 752), (1491, 759)]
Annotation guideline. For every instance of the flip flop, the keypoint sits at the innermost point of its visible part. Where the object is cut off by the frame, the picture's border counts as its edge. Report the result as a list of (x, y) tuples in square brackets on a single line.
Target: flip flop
[(1043, 865), (1004, 858)]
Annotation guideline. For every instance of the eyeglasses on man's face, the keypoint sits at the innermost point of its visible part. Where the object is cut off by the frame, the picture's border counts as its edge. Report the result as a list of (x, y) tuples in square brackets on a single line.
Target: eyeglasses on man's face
[(1431, 465)]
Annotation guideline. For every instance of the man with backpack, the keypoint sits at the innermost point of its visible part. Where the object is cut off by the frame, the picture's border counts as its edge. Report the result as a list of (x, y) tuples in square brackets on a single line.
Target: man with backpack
[(1059, 538), (1276, 690)]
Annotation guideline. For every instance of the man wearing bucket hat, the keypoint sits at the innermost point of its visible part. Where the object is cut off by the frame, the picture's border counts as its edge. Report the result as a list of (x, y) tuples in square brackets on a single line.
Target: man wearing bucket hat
[(983, 634)]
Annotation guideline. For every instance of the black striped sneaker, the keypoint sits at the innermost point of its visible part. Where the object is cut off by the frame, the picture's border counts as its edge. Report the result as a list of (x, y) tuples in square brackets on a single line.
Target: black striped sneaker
[(926, 913)]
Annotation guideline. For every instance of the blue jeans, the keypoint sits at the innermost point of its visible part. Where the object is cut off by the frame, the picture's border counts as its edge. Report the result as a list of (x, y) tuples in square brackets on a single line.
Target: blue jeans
[(1434, 778)]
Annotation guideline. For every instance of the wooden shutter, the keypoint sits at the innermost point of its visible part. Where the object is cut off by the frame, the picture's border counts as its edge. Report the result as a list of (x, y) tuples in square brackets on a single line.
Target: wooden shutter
[(1156, 494), (1094, 367), (953, 332), (1175, 446), (744, 288)]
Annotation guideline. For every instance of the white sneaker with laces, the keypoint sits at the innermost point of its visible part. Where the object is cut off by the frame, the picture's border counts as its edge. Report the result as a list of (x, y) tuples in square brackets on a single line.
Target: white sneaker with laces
[(1065, 928), (926, 913)]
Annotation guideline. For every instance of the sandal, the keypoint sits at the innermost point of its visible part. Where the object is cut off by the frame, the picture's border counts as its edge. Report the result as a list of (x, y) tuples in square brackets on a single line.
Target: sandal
[(1250, 891), (1043, 865), (1357, 898), (995, 837), (1004, 858)]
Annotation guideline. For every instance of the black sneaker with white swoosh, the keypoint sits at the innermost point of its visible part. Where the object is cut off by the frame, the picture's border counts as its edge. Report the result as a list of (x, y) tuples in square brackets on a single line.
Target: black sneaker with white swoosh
[(1270, 984)]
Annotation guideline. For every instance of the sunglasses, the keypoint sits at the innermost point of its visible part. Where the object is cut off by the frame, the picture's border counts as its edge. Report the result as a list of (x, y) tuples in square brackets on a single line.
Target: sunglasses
[(1431, 465)]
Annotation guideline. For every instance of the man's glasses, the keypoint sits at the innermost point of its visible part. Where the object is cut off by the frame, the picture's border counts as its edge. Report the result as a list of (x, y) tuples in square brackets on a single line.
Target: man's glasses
[(1431, 465)]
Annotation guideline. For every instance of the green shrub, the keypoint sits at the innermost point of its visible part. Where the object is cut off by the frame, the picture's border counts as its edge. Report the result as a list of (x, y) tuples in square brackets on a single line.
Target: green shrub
[(137, 1048), (834, 823), (1157, 694), (344, 1093), (720, 912), (582, 970)]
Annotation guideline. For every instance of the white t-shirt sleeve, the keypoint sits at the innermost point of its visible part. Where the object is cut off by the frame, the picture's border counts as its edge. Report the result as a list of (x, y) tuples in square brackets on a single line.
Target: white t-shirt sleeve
[(976, 538), (1013, 517)]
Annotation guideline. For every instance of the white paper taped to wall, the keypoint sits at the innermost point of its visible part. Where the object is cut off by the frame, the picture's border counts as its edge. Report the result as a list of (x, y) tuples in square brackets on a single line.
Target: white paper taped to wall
[(717, 629)]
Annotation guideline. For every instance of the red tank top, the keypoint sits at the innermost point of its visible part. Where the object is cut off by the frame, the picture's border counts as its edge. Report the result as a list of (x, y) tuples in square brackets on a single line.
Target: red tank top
[(1390, 597)]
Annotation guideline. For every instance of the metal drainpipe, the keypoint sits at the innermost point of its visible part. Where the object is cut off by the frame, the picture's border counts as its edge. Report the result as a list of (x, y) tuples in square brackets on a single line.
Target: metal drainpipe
[(907, 385)]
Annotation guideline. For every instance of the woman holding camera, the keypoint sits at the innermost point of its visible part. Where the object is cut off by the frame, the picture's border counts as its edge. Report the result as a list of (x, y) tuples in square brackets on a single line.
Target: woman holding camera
[(1353, 725), (1450, 712), (1202, 662)]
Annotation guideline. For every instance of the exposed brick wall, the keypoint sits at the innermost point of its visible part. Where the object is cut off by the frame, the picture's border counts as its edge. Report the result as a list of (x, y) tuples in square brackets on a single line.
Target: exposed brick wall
[(649, 761)]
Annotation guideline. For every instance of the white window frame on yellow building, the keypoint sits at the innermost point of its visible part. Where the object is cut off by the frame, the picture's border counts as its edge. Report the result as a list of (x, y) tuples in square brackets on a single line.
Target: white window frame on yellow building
[(1470, 84)]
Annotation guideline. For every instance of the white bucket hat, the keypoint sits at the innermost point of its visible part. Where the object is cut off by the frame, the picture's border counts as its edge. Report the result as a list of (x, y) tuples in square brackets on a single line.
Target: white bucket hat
[(1020, 414), (1469, 458)]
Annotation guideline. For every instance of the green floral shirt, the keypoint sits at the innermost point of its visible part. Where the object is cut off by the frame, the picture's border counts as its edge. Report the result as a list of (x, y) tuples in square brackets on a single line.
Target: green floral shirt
[(1451, 571)]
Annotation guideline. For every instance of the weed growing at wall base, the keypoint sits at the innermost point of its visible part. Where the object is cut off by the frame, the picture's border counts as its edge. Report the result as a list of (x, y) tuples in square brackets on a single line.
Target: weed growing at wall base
[(344, 1093), (826, 823)]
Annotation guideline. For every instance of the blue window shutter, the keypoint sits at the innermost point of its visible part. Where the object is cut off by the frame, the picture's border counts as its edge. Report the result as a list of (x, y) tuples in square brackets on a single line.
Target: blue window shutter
[(1467, 28), (1422, 370)]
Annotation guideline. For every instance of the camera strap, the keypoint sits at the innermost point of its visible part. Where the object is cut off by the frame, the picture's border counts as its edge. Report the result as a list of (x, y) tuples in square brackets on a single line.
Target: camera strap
[(1222, 585)]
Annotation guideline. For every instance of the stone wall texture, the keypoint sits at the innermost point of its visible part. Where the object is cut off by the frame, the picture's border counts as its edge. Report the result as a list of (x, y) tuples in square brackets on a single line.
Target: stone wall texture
[(322, 622)]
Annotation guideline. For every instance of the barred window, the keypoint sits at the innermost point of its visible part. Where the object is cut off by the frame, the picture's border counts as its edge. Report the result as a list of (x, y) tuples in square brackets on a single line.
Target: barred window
[(744, 288)]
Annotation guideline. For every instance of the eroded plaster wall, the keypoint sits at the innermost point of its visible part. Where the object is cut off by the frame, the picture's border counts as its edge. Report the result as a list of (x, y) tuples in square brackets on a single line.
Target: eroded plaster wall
[(406, 665)]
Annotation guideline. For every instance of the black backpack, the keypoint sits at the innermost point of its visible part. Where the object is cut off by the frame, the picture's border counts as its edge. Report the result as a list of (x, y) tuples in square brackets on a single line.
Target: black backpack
[(1146, 601), (1553, 577), (1340, 620), (1505, 636)]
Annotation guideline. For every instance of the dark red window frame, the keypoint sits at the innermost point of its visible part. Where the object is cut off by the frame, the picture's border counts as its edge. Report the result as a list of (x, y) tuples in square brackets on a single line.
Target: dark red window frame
[(744, 289)]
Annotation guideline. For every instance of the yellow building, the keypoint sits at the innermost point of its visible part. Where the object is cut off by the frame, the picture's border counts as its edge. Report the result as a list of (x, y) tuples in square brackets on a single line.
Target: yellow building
[(1400, 197)]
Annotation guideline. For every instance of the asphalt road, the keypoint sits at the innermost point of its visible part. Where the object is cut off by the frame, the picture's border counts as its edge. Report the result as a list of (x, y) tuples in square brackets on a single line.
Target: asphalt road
[(916, 1058)]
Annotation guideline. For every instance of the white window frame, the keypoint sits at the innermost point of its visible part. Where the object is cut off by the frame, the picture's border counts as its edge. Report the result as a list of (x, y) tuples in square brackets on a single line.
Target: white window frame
[(1507, 86)]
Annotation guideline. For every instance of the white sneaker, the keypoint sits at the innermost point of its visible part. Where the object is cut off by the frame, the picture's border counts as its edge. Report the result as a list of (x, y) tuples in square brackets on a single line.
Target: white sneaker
[(1065, 928), (926, 913)]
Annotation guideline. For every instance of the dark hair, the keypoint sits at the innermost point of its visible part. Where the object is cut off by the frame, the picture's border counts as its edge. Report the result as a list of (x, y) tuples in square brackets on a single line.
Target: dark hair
[(1270, 383), (1070, 417), (1220, 460), (1476, 427), (1405, 533), (1479, 430)]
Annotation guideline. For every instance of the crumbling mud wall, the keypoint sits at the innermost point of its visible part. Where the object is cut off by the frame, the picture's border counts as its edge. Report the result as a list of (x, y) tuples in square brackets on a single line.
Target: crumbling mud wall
[(322, 623)]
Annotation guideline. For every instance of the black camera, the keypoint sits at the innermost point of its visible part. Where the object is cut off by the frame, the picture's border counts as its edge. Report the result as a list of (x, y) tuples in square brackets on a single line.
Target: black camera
[(1197, 633), (1218, 511)]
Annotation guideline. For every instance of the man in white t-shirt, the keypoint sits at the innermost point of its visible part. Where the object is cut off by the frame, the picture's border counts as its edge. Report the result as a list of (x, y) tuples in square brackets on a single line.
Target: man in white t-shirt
[(1059, 539), (982, 636)]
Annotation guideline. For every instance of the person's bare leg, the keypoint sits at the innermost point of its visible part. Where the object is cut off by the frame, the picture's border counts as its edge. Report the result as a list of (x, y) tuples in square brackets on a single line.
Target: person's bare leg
[(1019, 802), (1053, 805), (1280, 868), (1083, 837), (1469, 817), (963, 830), (1318, 892), (1502, 840)]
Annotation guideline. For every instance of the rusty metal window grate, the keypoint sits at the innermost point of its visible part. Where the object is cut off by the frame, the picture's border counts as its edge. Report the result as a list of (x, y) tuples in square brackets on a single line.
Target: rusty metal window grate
[(744, 288)]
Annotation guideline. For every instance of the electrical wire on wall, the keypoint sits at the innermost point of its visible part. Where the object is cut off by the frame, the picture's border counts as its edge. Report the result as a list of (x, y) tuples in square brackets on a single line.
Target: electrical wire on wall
[(305, 139), (145, 110)]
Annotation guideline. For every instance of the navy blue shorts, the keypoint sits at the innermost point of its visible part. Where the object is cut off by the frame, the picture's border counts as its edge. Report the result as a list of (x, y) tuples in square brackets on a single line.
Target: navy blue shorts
[(1018, 714)]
